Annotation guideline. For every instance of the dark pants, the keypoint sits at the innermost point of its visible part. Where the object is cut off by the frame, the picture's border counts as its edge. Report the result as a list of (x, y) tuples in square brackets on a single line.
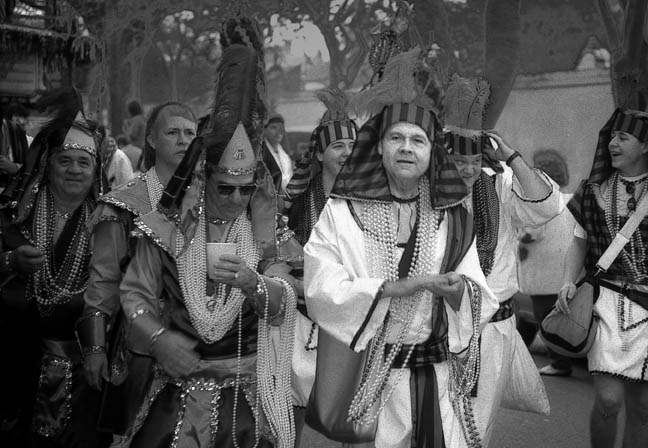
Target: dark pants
[(542, 305)]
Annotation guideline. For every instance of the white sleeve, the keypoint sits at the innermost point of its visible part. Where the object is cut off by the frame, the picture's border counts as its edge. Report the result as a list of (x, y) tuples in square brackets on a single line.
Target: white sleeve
[(340, 297)]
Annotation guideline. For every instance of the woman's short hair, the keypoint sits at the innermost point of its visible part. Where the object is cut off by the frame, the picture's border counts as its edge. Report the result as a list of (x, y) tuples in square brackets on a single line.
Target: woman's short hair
[(171, 108)]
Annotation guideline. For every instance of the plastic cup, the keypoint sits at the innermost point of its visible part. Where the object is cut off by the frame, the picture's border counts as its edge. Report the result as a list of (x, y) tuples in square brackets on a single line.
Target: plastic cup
[(214, 253)]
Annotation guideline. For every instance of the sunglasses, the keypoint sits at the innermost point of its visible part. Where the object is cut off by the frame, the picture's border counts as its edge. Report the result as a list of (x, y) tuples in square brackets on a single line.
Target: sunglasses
[(227, 190), (632, 202)]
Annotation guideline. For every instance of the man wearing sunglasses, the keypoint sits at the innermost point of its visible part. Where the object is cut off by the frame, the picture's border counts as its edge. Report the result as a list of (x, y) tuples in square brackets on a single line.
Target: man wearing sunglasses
[(201, 294)]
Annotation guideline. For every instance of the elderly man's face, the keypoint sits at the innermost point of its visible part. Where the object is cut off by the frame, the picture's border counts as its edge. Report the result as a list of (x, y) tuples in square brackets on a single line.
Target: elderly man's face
[(71, 173), (406, 151)]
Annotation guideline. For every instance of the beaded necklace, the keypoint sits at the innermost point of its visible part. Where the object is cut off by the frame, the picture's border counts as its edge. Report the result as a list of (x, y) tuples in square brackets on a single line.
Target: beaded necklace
[(212, 316), (52, 285), (154, 187), (486, 216), (380, 237), (633, 261), (314, 200)]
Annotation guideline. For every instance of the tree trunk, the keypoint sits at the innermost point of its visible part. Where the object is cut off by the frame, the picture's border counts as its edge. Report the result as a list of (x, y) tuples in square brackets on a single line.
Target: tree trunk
[(502, 35), (431, 21), (626, 33)]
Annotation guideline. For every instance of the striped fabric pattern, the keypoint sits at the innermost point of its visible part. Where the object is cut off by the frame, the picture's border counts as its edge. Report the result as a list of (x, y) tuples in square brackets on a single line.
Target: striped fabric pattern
[(309, 167), (335, 130), (463, 146), (408, 113), (632, 124), (466, 146), (619, 121), (363, 177)]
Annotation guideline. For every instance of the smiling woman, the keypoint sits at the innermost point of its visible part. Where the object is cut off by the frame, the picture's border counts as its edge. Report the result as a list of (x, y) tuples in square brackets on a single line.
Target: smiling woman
[(618, 182)]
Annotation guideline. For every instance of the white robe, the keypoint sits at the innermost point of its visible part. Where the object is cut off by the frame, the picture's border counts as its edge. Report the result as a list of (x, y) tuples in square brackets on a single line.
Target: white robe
[(339, 296), (499, 338)]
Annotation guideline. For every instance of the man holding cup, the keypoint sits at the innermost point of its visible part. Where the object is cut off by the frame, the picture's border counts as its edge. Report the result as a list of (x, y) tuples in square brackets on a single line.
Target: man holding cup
[(204, 314)]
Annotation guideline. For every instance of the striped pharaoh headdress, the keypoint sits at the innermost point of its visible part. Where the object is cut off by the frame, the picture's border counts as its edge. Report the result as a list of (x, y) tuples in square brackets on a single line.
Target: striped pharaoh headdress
[(409, 90), (334, 125)]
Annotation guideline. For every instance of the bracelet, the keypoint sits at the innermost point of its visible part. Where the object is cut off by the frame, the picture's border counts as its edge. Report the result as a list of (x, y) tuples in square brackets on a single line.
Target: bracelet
[(259, 290), (93, 349), (156, 335), (134, 315), (512, 157), (7, 260)]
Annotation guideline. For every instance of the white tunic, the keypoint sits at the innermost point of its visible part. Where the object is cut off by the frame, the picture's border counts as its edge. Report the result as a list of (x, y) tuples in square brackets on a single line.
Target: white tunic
[(340, 293), (498, 338)]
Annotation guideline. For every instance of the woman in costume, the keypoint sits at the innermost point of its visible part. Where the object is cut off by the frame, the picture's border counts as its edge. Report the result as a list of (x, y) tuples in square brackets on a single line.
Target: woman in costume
[(503, 200), (207, 322), (618, 359), (170, 129), (45, 263), (330, 145), (309, 188)]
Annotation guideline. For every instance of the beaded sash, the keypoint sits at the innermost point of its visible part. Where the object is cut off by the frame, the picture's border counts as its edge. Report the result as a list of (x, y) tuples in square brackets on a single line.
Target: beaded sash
[(212, 316)]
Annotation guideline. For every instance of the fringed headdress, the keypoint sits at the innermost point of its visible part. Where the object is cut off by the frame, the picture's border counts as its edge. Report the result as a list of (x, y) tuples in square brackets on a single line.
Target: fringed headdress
[(230, 140), (67, 128), (464, 106), (334, 125)]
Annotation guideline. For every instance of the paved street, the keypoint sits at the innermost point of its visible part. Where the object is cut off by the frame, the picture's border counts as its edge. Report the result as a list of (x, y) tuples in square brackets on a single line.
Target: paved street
[(566, 426)]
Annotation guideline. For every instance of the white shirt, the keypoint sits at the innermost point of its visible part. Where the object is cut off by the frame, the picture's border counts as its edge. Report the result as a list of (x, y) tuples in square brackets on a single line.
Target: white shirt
[(516, 212)]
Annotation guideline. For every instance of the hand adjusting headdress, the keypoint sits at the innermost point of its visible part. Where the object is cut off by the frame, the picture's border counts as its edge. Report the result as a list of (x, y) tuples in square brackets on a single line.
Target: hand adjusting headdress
[(464, 105)]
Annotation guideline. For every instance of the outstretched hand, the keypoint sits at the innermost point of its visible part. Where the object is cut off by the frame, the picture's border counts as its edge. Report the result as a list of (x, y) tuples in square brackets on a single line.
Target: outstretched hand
[(449, 285)]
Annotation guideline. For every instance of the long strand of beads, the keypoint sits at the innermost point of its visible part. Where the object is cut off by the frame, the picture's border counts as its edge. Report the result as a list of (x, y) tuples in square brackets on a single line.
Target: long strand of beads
[(276, 396), (633, 262), (380, 240), (154, 187), (212, 316), (51, 286)]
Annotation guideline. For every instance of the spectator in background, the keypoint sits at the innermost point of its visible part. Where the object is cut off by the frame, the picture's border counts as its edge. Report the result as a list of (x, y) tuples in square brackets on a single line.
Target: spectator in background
[(13, 142), (135, 126), (274, 155), (538, 278), (133, 152), (115, 163)]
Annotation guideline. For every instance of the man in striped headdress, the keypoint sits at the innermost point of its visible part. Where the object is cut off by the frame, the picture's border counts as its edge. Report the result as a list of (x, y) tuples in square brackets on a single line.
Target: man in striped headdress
[(503, 201), (391, 268)]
